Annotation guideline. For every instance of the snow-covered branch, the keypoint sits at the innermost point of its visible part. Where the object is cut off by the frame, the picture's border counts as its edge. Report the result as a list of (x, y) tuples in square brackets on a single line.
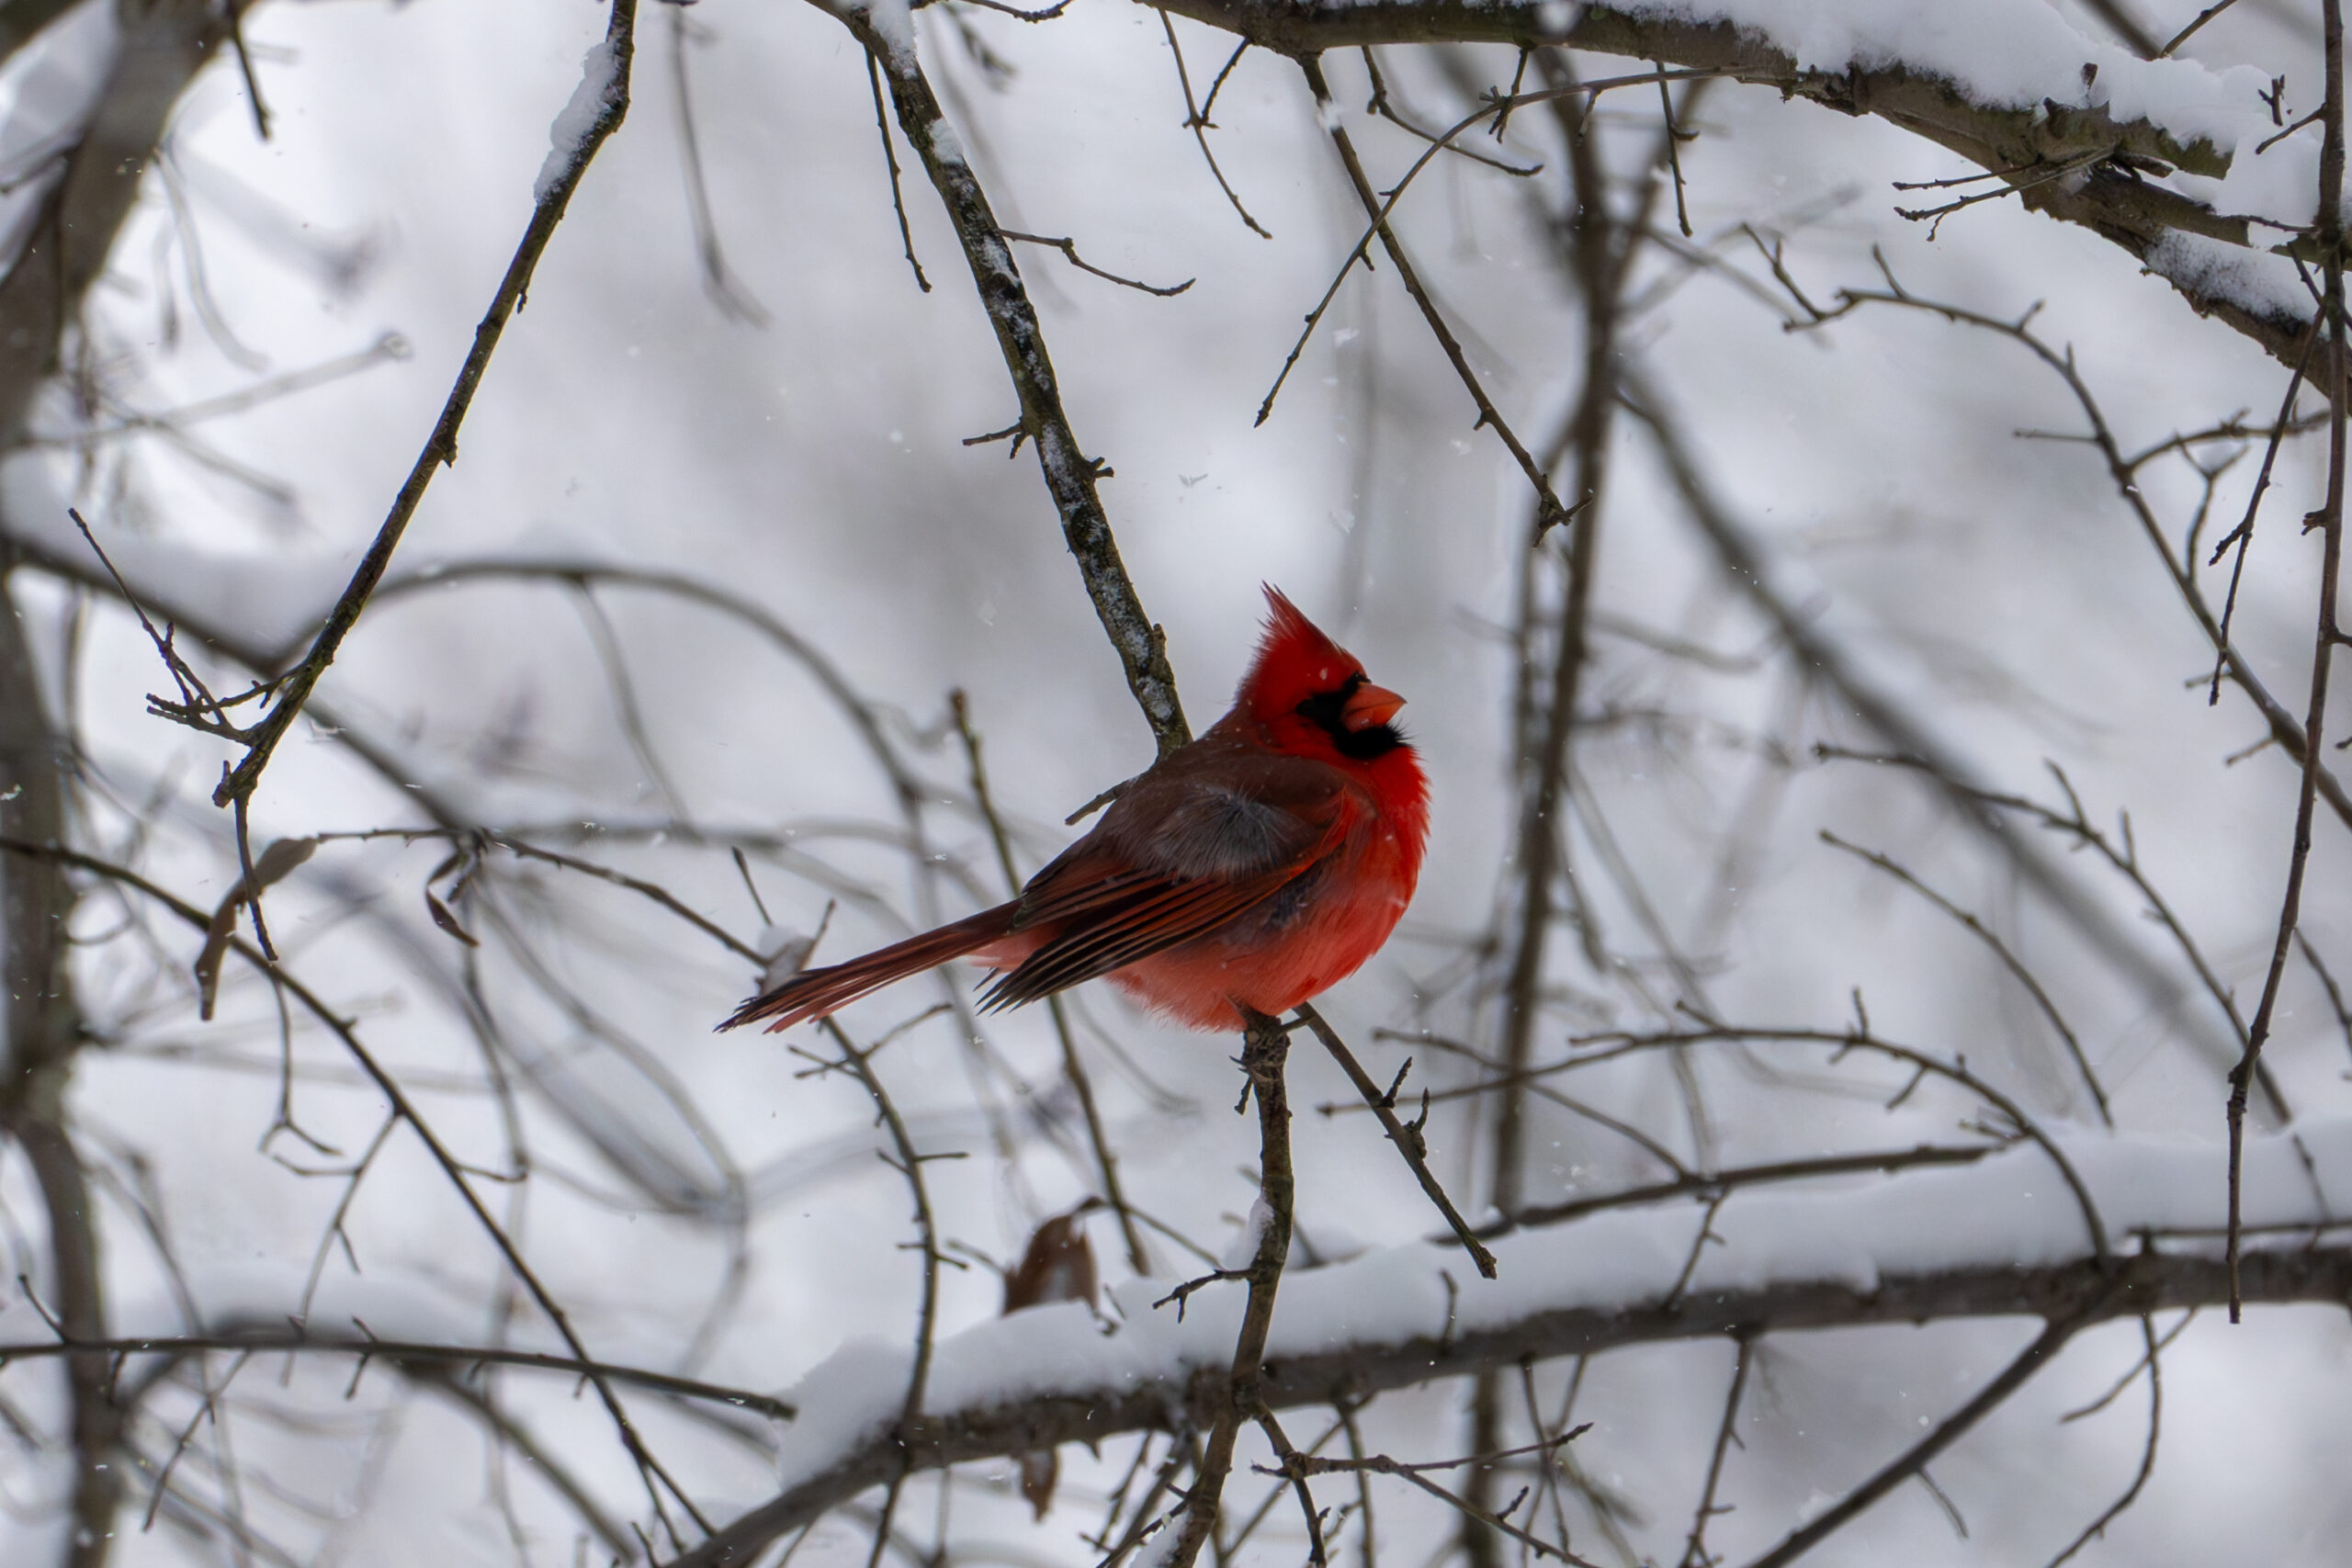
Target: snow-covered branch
[(2078, 128), (2002, 1237)]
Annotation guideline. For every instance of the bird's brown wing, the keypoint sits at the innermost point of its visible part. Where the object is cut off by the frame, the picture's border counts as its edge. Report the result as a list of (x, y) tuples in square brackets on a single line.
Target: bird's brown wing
[(1180, 854)]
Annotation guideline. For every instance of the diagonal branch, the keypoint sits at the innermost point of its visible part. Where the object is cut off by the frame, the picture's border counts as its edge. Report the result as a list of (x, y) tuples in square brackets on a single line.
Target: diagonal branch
[(1828, 659), (604, 87), (1549, 509), (1071, 478), (1914, 1462)]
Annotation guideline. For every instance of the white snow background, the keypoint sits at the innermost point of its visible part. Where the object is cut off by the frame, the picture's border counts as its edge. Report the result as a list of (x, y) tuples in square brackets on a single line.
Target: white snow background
[(815, 467)]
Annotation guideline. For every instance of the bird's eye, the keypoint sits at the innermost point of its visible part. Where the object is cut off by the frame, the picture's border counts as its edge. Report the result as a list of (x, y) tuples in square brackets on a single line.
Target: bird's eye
[(1325, 707)]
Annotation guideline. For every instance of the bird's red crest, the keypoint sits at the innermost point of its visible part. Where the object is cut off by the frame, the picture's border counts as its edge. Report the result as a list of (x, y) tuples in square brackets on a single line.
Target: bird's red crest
[(1294, 660)]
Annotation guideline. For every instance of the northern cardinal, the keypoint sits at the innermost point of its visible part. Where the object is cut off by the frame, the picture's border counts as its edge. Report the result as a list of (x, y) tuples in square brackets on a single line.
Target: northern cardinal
[(1260, 864)]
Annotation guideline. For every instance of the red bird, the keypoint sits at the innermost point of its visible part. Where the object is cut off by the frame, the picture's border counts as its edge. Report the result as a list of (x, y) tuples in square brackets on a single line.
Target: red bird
[(1261, 864)]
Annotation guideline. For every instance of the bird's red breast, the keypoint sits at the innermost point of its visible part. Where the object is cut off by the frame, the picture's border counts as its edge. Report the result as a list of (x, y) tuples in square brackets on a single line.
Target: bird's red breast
[(1261, 864)]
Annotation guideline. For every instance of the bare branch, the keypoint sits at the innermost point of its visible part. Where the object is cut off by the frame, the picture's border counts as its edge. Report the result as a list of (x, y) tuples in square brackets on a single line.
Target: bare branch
[(2009, 961), (612, 58), (1071, 478), (2330, 522), (1407, 1138), (1264, 1052)]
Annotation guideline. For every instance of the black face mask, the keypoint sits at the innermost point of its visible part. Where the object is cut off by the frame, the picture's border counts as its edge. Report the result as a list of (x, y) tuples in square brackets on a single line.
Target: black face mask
[(1328, 712)]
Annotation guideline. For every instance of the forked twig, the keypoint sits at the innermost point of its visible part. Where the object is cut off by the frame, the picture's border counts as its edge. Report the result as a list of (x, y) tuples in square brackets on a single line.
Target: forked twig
[(1406, 1137), (558, 181), (2000, 949)]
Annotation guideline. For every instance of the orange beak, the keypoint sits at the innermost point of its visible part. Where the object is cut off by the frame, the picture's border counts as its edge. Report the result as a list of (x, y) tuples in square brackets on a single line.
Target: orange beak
[(1372, 706)]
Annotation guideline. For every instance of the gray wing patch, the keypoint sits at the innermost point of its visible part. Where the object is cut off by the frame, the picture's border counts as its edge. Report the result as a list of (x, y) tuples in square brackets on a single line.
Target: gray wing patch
[(1217, 831)]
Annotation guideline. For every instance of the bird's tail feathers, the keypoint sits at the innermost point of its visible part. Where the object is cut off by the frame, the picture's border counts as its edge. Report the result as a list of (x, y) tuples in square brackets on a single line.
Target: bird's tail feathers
[(818, 993)]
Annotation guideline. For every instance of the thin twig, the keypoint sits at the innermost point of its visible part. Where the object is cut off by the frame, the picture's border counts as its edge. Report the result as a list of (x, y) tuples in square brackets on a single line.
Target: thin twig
[(2243, 535), (261, 740), (1592, 1050), (2281, 723), (236, 9), (2182, 36), (1070, 477), (1293, 1469), (2335, 1001), (890, 156), (2153, 1364), (1406, 1137), (2330, 521), (2009, 961), (1916, 1458), (1073, 1068), (299, 1339), (860, 1064), (1708, 1184), (718, 280), (454, 1171), (1196, 117), (2125, 858), (1674, 134), (1070, 248), (1417, 1475), (1695, 1554), (1360, 251), (1383, 106)]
